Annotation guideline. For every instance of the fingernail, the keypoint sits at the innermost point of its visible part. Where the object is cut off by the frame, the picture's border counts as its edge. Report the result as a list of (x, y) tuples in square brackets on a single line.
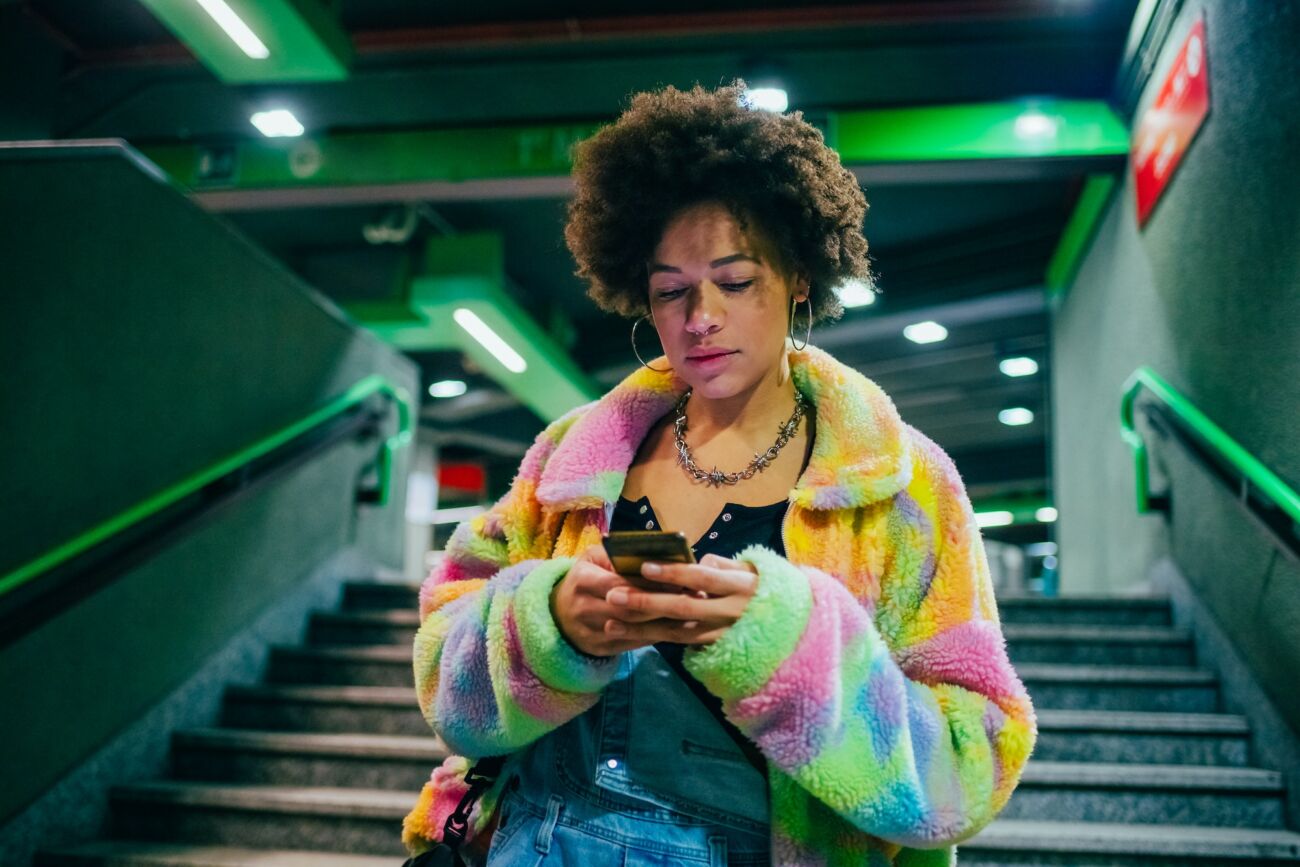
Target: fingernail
[(651, 569), (617, 596), (615, 627)]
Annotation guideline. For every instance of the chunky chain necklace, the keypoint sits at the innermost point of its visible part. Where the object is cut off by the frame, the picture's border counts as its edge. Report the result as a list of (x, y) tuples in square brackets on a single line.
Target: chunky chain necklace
[(760, 461)]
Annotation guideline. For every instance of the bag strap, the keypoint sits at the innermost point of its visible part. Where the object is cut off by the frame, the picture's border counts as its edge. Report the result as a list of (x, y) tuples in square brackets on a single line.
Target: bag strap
[(480, 777)]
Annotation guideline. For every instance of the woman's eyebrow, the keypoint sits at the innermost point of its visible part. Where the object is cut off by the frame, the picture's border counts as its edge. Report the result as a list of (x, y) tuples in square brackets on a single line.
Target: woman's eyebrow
[(656, 267)]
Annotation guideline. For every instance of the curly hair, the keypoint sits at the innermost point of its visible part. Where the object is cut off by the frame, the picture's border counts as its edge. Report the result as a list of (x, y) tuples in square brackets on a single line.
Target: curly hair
[(673, 148)]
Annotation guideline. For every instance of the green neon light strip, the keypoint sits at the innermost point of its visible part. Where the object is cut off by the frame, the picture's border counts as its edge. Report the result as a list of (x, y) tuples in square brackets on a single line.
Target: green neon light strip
[(374, 384), (1265, 480), (1078, 233), (304, 40), (980, 131)]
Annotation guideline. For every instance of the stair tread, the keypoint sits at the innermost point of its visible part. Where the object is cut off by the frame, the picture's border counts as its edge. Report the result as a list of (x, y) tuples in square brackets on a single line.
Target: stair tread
[(373, 617), (328, 694), (1134, 722), (332, 800), (1085, 601), (395, 653), (1170, 674), (1129, 839), (202, 855), (1131, 774), (1095, 632), (316, 743)]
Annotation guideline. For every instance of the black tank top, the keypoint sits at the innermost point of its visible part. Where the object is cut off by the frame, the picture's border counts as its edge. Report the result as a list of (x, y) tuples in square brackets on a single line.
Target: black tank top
[(736, 527)]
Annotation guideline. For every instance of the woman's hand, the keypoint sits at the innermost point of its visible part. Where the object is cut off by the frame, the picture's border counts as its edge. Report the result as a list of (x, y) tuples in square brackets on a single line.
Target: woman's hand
[(579, 607), (712, 595)]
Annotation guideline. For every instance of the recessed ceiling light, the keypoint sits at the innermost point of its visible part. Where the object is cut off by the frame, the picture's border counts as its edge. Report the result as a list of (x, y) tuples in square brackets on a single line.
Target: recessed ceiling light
[(239, 32), (769, 99), (1033, 125), (1019, 366), (925, 332), (1016, 415), (447, 388), (994, 519), (489, 339), (277, 123), (1047, 514), (855, 293)]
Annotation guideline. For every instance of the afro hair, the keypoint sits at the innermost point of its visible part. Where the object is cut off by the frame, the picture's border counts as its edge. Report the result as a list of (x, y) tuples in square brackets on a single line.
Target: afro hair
[(673, 148)]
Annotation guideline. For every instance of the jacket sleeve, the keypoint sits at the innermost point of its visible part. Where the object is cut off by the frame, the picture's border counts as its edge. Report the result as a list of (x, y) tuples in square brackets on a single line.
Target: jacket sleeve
[(492, 670), (901, 711)]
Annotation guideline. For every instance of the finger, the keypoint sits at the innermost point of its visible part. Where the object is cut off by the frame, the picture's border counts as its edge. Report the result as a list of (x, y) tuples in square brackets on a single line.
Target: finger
[(640, 634), (718, 562), (696, 576), (598, 555), (636, 606)]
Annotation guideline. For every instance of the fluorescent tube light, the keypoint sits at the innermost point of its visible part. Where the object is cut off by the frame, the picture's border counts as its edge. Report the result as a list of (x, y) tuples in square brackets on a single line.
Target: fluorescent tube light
[(1016, 415), (993, 519), (278, 123), (769, 99), (1046, 515), (490, 340), (447, 388), (1019, 366), (855, 293), (925, 332), (235, 28)]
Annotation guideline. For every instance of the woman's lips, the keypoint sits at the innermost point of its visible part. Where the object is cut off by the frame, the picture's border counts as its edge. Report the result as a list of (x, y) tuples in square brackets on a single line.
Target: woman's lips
[(711, 360)]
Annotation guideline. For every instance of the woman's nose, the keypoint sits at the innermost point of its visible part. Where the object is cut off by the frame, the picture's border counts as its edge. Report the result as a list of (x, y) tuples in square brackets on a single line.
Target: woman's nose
[(705, 312)]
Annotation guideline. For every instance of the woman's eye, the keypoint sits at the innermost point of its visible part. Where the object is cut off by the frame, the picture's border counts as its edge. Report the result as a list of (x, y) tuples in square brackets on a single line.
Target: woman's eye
[(670, 294)]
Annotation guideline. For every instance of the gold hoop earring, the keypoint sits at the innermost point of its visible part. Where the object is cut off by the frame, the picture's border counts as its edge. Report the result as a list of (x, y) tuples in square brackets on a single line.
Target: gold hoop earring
[(638, 354), (808, 331)]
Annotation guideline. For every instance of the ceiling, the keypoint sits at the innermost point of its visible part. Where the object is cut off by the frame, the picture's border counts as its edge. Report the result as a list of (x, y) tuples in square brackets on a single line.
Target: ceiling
[(967, 243)]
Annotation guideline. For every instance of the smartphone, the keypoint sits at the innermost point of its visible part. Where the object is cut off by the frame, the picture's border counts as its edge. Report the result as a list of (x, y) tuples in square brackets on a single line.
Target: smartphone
[(628, 549)]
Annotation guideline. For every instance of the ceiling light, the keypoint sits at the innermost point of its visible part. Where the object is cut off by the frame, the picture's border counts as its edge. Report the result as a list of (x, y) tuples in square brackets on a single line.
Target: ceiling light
[(235, 28), (277, 123), (925, 332), (768, 99), (447, 388), (855, 293), (1020, 366), (1047, 514), (1034, 125), (993, 519), (1016, 415), (490, 340)]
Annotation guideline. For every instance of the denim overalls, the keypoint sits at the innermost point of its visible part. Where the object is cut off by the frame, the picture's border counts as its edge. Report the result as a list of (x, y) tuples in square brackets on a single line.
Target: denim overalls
[(647, 776)]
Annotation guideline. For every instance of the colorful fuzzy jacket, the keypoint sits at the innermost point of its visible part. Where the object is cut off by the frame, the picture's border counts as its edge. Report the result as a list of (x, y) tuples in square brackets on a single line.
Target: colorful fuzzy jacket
[(869, 667)]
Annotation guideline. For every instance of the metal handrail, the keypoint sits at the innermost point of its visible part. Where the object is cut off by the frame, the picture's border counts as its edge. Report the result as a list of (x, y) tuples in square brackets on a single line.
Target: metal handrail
[(360, 391), (1265, 481)]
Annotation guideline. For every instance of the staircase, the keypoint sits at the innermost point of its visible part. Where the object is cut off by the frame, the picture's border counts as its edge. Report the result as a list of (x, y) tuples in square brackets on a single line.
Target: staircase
[(318, 765)]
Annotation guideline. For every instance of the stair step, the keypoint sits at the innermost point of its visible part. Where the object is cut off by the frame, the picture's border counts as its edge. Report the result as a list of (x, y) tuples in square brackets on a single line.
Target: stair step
[(1120, 687), (391, 762), (1102, 792), (380, 626), (1090, 644), (374, 665), (1100, 610), (141, 853), (371, 595), (353, 820), (1019, 842), (373, 709), (1151, 738)]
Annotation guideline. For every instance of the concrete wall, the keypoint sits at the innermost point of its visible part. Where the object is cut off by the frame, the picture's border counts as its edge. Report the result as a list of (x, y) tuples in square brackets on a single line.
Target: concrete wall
[(1208, 293), (143, 340)]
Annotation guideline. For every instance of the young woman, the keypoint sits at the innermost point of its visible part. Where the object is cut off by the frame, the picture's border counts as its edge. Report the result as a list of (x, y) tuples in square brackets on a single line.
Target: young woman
[(828, 684)]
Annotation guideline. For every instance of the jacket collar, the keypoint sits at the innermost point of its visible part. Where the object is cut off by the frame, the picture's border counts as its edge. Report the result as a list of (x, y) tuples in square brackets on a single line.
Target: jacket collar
[(860, 451)]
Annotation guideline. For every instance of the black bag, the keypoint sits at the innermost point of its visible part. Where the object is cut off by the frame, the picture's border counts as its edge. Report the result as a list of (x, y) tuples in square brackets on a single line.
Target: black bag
[(447, 853)]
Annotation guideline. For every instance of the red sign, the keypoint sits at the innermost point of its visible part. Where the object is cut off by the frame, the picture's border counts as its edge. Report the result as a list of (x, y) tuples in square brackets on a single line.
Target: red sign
[(1169, 125)]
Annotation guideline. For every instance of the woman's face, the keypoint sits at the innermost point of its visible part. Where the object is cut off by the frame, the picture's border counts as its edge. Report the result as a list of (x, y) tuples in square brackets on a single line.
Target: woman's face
[(719, 303)]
